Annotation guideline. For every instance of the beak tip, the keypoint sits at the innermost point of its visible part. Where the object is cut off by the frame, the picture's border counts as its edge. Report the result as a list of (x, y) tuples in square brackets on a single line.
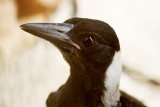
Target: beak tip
[(23, 26), (27, 26)]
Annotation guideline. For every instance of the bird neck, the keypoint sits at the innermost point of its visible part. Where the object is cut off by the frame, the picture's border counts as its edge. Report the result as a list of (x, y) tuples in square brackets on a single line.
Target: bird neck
[(97, 84), (87, 85)]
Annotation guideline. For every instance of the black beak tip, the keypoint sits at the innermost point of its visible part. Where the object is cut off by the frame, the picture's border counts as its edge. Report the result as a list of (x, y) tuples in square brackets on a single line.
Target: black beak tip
[(23, 26), (28, 26)]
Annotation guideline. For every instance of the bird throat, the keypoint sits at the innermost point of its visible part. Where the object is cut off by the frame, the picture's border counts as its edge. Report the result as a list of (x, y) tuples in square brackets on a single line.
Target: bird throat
[(100, 93), (112, 79)]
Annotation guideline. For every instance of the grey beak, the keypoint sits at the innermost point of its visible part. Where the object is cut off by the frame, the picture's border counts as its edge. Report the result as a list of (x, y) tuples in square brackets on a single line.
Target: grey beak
[(53, 32)]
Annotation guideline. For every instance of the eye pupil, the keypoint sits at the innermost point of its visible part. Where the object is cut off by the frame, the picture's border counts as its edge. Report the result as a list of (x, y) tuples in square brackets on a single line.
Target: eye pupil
[(88, 41)]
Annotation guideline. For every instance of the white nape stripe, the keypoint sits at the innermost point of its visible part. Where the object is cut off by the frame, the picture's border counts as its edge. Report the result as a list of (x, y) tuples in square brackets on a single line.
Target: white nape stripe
[(112, 79)]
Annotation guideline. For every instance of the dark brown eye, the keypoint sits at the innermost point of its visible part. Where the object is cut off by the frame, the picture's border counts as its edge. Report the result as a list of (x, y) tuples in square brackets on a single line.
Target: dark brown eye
[(89, 41)]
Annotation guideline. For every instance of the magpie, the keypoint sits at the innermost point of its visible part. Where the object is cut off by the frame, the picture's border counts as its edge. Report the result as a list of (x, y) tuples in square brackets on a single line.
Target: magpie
[(91, 48)]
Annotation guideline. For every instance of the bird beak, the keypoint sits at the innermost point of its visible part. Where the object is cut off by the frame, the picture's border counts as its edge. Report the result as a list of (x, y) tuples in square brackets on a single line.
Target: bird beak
[(53, 32)]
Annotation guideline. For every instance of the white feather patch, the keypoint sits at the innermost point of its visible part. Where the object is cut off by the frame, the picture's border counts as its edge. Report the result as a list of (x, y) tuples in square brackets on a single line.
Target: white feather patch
[(112, 79)]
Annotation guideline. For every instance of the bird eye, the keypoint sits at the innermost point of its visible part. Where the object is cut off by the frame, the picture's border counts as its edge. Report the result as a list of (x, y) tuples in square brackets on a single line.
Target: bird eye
[(89, 41)]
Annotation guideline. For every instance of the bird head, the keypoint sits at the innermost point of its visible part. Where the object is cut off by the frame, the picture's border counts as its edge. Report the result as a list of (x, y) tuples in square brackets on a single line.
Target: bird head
[(90, 47), (81, 41)]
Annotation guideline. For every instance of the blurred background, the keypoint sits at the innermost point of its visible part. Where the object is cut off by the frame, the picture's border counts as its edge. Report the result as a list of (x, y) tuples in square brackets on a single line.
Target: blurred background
[(30, 68)]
